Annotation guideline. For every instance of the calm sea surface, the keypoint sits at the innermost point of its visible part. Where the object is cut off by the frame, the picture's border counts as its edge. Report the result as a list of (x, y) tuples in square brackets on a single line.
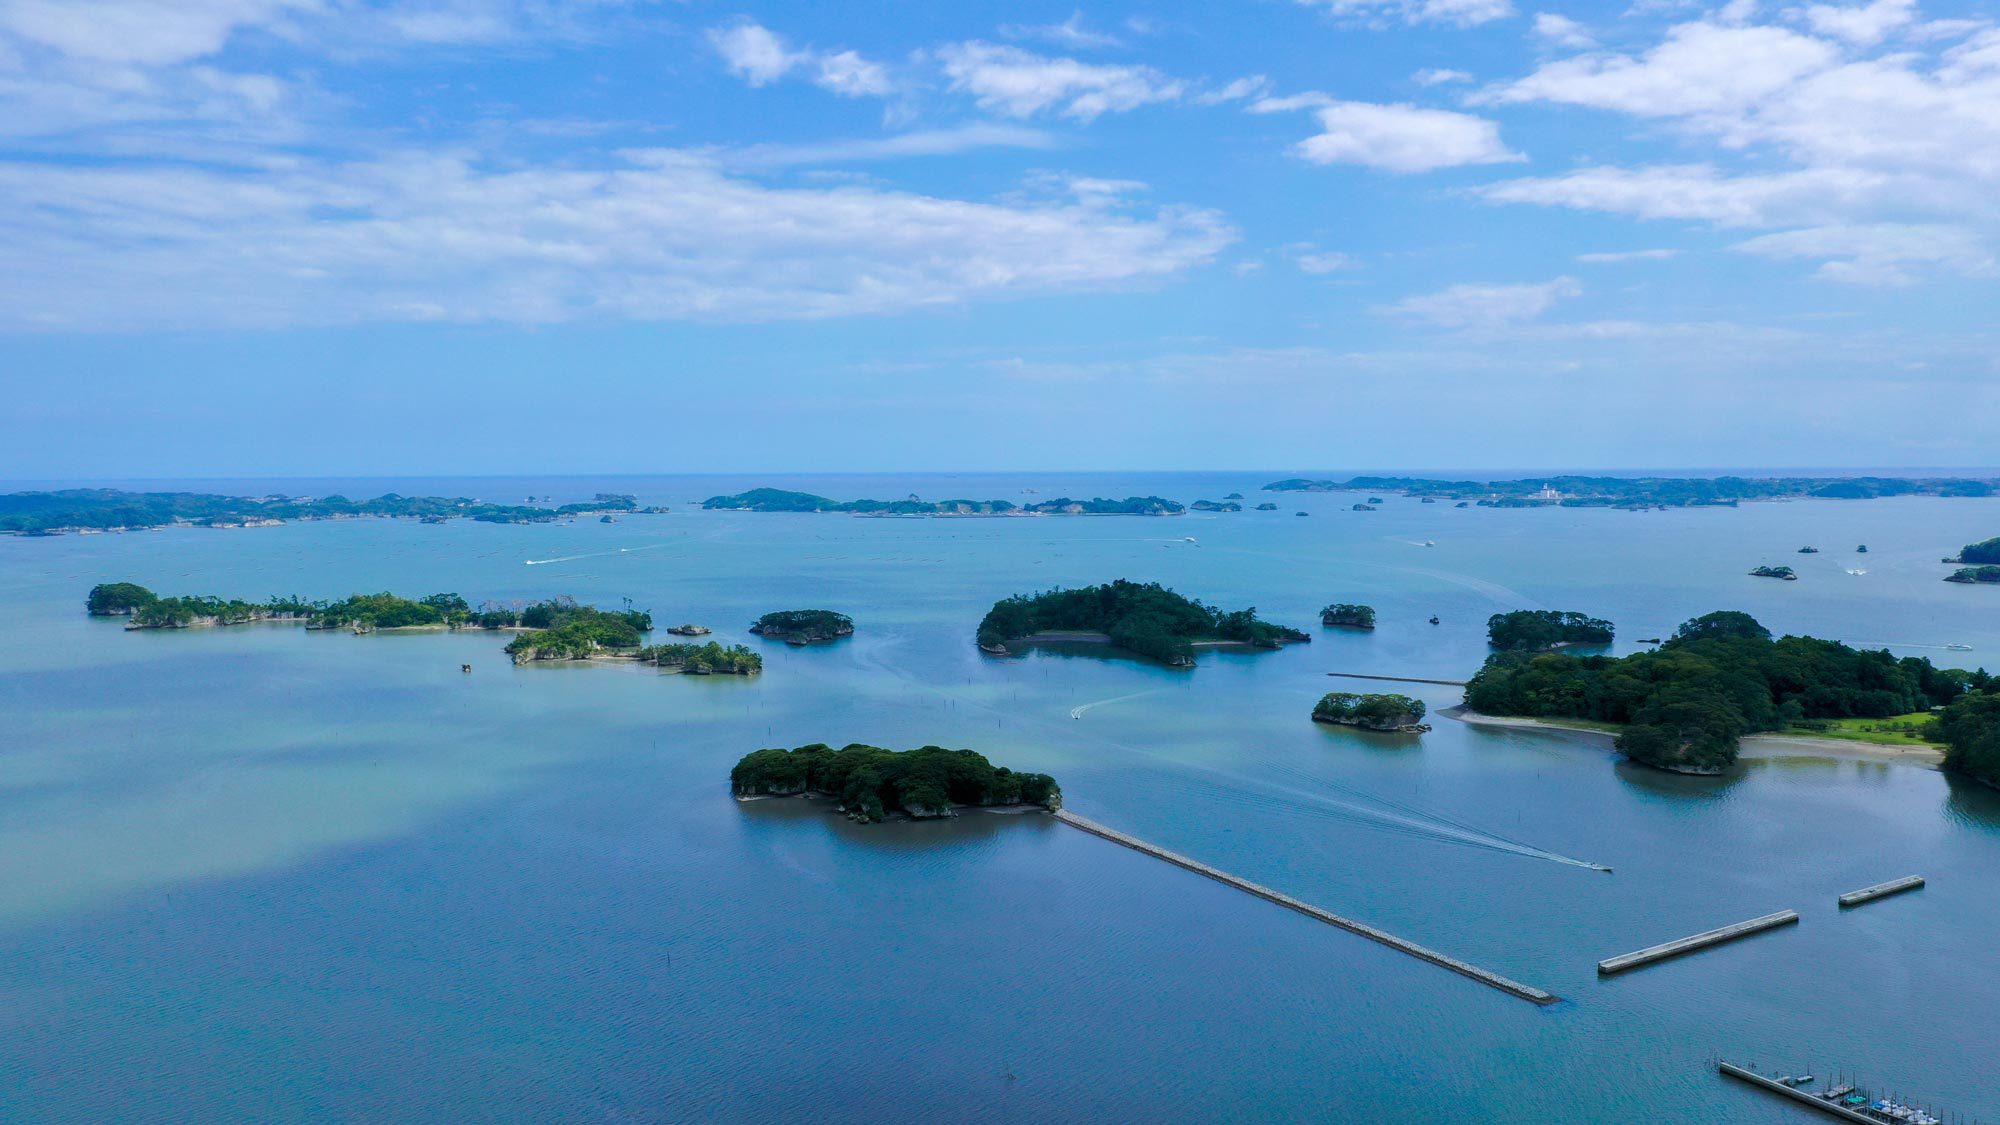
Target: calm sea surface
[(256, 874)]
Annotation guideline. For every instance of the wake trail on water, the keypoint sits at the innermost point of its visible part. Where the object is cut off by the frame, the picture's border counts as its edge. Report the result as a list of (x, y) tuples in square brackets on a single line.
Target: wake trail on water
[(1353, 807), (596, 554), (1078, 712)]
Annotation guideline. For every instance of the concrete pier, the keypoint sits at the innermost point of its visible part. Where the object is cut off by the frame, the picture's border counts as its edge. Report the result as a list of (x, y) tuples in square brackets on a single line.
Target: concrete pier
[(1797, 1095), (1704, 940), (1881, 890), (1396, 679), (1493, 980)]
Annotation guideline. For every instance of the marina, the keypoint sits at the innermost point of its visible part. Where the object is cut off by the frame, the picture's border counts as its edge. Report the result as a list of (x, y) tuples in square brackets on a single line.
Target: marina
[(1841, 1099)]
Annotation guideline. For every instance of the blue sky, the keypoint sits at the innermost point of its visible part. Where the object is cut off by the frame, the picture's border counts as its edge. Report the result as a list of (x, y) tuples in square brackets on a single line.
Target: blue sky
[(475, 236)]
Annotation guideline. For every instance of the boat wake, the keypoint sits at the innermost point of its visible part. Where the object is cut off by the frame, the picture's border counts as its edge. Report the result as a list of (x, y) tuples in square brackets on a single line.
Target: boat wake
[(595, 555), (1078, 712), (1383, 814)]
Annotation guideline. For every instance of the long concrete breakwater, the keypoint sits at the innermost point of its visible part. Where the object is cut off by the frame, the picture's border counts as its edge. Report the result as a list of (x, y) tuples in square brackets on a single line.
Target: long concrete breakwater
[(1395, 679), (1483, 976), (1689, 944), (1881, 890)]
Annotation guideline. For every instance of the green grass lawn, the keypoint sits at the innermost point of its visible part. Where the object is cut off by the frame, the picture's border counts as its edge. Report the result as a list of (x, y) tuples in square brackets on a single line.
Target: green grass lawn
[(1898, 730)]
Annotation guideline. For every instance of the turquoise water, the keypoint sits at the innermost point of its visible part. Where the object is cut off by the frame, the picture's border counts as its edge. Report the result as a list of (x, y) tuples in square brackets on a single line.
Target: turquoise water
[(262, 875)]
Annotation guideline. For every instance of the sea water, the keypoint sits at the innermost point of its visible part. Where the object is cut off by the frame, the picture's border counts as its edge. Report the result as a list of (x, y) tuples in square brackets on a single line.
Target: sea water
[(260, 874)]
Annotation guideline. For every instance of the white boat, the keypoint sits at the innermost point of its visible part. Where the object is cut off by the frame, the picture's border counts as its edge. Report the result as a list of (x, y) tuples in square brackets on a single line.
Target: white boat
[(1959, 648)]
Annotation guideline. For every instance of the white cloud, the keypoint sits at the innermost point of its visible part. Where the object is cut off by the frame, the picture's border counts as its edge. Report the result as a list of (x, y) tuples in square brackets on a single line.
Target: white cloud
[(1069, 33), (754, 53), (1486, 306), (1701, 68), (1325, 261), (1020, 83), (664, 234), (1438, 76), (1249, 86), (1403, 138), (923, 142), (141, 32), (1830, 135), (1562, 30), (1461, 13), (1881, 254), (1614, 257), (851, 76), (1864, 24), (1311, 99), (1694, 191), (760, 57)]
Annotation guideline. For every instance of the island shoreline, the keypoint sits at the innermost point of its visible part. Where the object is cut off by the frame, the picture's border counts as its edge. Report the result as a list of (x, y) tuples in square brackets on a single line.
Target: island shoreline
[(1764, 747)]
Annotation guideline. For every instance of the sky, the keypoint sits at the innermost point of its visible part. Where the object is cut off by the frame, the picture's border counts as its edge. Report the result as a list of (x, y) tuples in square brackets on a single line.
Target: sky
[(379, 237)]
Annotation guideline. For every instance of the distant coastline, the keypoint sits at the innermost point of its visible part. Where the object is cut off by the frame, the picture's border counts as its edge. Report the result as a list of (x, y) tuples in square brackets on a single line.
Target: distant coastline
[(84, 511), (1647, 492), (784, 500)]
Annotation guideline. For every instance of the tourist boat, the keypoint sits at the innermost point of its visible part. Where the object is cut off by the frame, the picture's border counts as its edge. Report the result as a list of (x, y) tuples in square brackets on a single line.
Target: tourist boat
[(1959, 648)]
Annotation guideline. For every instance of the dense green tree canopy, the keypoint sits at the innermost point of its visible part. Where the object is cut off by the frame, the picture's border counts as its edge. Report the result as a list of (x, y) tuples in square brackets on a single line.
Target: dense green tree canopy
[(1534, 629), (1721, 676), (113, 599), (1985, 552), (1144, 617), (704, 659), (804, 625), (872, 782), (1376, 712), (1970, 729), (1348, 615)]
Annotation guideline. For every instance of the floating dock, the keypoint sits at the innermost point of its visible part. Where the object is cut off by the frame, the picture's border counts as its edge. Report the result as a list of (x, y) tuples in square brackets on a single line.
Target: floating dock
[(1881, 890), (1396, 679), (1491, 979), (1703, 940), (1842, 1101)]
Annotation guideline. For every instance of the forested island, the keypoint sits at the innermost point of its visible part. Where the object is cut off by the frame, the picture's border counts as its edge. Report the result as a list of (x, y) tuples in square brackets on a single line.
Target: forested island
[(782, 500), (109, 509), (1213, 506), (1975, 574), (360, 612), (1146, 618), (871, 783), (711, 659), (1394, 713), (1685, 705), (552, 629), (1346, 615), (803, 626), (1986, 551), (564, 630), (1538, 630), (1667, 492), (1784, 572)]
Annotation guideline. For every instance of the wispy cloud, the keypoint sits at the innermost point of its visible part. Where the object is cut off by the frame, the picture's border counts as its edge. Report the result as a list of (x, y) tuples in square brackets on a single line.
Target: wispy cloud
[(1486, 306), (663, 234), (1018, 83)]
